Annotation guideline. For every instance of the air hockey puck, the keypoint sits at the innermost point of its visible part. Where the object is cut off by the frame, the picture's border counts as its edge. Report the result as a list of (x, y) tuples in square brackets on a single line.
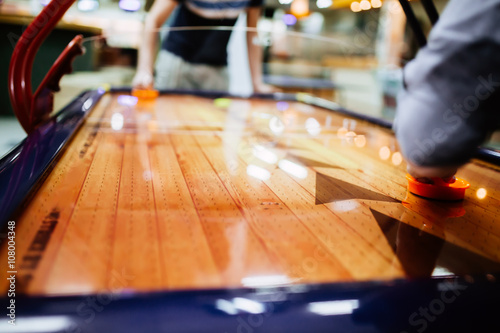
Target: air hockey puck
[(145, 94), (439, 190)]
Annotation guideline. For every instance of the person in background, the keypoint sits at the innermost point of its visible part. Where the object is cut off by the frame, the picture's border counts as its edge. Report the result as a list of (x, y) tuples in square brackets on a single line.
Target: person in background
[(196, 59), (451, 97)]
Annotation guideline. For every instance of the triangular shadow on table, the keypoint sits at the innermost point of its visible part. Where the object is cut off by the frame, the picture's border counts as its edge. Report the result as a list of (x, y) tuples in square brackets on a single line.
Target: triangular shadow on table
[(329, 189), (420, 252), (311, 163)]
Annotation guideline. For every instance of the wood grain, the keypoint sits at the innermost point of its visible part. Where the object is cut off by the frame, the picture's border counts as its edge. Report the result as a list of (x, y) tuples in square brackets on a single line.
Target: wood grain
[(185, 194)]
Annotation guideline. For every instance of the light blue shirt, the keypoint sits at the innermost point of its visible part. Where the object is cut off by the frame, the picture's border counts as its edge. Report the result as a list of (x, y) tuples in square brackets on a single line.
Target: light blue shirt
[(451, 100)]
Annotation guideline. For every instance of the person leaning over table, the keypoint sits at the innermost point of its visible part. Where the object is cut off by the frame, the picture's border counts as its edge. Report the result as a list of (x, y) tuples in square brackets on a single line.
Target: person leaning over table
[(196, 59), (451, 97)]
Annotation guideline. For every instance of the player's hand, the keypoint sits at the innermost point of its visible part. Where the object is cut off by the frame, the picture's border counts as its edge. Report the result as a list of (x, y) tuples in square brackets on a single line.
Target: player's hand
[(263, 88), (143, 80), (425, 174)]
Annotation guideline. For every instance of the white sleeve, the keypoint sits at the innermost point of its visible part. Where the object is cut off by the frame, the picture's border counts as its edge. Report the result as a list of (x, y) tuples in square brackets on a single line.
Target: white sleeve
[(451, 99)]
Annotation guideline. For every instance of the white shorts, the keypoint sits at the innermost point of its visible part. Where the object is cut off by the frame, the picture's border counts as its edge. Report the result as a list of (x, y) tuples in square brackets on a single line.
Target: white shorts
[(173, 72)]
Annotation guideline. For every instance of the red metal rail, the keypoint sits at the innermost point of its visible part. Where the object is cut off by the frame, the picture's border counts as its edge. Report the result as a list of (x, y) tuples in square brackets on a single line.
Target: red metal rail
[(31, 109)]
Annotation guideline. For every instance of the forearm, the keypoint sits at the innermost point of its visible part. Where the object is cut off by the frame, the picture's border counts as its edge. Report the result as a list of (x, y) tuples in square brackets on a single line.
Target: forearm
[(147, 47), (155, 19), (452, 95), (253, 47)]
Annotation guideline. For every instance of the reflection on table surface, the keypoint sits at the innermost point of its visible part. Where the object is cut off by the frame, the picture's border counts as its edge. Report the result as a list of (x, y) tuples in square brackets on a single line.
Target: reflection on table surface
[(189, 192)]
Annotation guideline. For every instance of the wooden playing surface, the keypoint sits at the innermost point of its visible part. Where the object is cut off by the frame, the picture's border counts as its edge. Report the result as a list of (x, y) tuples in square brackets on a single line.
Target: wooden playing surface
[(189, 193)]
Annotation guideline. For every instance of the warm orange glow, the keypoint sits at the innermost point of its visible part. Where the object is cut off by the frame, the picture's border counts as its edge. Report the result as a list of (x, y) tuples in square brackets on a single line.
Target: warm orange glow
[(355, 7), (300, 8), (384, 153), (397, 158), (365, 5), (376, 3), (350, 134), (138, 182), (360, 141), (342, 132), (481, 193)]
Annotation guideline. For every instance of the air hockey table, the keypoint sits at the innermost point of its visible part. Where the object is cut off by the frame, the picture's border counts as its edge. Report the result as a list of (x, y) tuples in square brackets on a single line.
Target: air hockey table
[(206, 212)]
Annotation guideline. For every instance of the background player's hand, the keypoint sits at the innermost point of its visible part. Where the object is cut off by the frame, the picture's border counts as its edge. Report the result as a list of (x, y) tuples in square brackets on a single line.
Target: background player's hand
[(143, 80), (263, 88), (424, 174)]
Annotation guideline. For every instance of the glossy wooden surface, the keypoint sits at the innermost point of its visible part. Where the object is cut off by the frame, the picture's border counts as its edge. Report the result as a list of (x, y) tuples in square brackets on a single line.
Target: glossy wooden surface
[(188, 193)]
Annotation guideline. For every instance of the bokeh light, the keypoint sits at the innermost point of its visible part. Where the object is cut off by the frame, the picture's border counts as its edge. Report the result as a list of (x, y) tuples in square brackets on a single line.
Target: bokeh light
[(481, 193), (376, 3), (397, 158), (355, 7), (384, 153), (360, 141), (324, 3), (365, 5)]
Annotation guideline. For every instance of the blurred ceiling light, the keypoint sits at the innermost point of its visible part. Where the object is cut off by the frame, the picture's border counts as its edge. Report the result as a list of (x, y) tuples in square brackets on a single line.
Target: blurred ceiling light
[(289, 19), (239, 304), (87, 104), (300, 8), (285, 2), (313, 25), (44, 2), (279, 27), (349, 136), (117, 121), (384, 153), (276, 125), (397, 158), (88, 5), (226, 306), (365, 5), (333, 308), (40, 324), (130, 5), (283, 106), (265, 281), (258, 172), (313, 127), (127, 100), (341, 132), (376, 3), (265, 26), (324, 3), (355, 7), (441, 271), (344, 205), (360, 141), (264, 154), (147, 175), (481, 193), (293, 169), (248, 305)]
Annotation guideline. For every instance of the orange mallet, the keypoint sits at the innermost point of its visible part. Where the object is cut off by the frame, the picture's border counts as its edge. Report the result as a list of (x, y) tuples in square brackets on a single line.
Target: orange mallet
[(439, 190), (145, 94)]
